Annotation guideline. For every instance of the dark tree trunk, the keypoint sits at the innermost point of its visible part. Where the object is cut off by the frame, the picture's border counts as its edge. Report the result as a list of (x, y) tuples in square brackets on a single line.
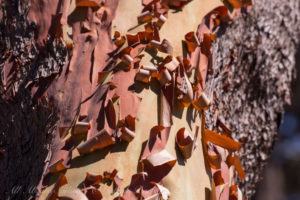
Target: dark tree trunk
[(254, 65), (25, 127)]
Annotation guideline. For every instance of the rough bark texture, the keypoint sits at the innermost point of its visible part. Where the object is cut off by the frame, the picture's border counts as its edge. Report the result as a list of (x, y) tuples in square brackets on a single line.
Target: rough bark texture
[(25, 130), (254, 67), (257, 51)]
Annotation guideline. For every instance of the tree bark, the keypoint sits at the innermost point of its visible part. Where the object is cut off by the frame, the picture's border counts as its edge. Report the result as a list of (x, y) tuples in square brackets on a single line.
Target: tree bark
[(254, 63), (26, 127), (253, 68)]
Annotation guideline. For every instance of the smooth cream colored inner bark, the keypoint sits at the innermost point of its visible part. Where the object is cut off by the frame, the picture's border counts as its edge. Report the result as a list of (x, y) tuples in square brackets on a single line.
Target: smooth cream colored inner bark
[(186, 180), (176, 26)]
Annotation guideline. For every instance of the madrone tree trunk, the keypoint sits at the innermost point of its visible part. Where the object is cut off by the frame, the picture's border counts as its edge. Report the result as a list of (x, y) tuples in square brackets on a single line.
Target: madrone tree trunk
[(253, 66)]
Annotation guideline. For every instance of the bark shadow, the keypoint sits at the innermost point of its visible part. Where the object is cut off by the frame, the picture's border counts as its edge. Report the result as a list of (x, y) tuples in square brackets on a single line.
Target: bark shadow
[(155, 60), (51, 178), (180, 159), (184, 49), (139, 86), (178, 109), (191, 116), (84, 160), (139, 166), (78, 15)]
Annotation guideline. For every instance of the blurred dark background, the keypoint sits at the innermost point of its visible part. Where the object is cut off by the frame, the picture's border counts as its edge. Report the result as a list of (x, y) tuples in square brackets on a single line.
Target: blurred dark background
[(281, 178)]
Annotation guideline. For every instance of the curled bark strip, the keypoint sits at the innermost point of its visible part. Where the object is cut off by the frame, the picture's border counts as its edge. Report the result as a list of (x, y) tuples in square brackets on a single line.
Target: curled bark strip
[(161, 20), (202, 103), (217, 177), (164, 77), (186, 142), (87, 3), (92, 179), (221, 140), (112, 176), (92, 193), (126, 134), (81, 128), (99, 141), (127, 59), (164, 193), (144, 17), (161, 158), (172, 65), (143, 75)]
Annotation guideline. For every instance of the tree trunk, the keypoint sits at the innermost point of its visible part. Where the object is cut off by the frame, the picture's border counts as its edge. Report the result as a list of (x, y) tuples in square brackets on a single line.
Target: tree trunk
[(26, 127), (254, 66), (48, 85)]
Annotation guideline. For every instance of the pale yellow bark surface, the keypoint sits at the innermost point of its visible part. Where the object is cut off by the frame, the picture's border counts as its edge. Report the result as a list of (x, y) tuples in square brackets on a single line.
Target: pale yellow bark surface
[(176, 26), (186, 180)]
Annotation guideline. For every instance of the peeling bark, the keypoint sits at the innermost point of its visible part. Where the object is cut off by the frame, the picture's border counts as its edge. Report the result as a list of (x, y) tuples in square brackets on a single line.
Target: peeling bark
[(253, 64)]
